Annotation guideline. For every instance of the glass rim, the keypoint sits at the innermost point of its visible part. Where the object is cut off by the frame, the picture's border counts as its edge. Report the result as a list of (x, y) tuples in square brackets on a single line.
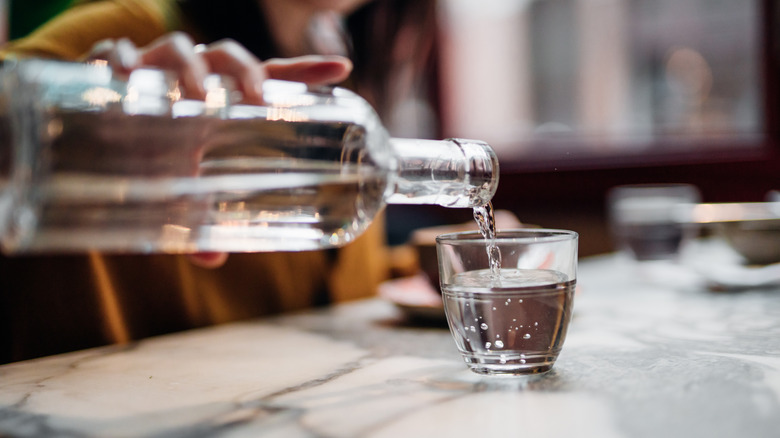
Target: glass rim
[(509, 235)]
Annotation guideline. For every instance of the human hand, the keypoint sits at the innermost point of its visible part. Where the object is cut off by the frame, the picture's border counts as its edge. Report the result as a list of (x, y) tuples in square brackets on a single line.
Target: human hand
[(177, 53)]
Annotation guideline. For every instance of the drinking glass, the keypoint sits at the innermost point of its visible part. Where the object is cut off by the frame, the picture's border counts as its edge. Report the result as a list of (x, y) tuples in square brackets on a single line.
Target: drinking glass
[(644, 220), (512, 319)]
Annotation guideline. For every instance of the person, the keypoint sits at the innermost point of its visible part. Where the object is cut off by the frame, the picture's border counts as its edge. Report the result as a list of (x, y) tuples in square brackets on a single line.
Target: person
[(55, 303)]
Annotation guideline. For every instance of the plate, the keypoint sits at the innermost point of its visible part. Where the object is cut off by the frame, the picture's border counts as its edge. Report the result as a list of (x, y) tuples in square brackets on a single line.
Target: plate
[(414, 296), (722, 268)]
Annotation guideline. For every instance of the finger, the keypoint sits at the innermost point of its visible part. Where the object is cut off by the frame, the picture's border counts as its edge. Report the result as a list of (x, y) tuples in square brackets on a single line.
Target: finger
[(100, 48), (312, 69), (122, 55), (229, 58), (209, 260), (176, 52)]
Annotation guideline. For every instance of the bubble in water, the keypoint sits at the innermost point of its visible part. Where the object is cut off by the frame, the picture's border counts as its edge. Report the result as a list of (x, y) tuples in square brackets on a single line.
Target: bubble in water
[(472, 329), (536, 324), (520, 300), (522, 360), (494, 308), (499, 344), (498, 336), (502, 359), (488, 345), (514, 319), (527, 336)]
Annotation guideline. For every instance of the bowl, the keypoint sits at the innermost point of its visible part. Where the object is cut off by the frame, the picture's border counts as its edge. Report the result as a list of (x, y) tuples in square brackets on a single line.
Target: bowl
[(757, 241)]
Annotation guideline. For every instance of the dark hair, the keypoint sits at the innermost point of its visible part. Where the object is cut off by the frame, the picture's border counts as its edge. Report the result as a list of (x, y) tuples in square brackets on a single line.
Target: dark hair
[(401, 31)]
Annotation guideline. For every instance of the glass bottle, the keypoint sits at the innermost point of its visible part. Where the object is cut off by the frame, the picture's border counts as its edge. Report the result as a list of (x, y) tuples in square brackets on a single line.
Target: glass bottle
[(92, 162)]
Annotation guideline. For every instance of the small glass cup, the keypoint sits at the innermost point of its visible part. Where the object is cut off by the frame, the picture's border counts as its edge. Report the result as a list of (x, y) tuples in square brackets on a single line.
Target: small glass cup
[(513, 320), (644, 220)]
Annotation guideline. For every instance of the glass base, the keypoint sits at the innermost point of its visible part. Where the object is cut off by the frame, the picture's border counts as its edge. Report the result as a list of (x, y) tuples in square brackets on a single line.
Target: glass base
[(524, 364)]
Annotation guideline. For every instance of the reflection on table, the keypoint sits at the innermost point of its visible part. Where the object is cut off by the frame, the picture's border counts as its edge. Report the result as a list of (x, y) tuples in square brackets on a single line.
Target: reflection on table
[(647, 354)]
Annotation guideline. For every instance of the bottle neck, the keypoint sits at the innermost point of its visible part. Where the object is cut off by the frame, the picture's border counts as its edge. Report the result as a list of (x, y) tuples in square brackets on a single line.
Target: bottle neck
[(451, 173)]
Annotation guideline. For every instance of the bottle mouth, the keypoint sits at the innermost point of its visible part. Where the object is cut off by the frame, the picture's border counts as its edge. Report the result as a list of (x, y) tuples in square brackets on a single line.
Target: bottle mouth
[(482, 167)]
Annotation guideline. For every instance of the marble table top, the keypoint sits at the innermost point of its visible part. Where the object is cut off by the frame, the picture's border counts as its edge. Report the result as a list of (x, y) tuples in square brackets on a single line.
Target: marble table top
[(646, 356)]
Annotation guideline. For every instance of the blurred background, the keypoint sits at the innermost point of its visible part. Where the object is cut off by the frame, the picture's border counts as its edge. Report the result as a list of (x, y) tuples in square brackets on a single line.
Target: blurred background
[(578, 96)]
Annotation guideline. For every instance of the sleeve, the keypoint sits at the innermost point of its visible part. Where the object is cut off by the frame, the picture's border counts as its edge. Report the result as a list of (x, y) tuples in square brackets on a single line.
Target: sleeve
[(72, 34)]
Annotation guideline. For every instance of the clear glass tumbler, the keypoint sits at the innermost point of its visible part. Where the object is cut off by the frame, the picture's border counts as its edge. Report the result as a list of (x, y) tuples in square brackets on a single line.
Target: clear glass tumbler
[(645, 220), (512, 320)]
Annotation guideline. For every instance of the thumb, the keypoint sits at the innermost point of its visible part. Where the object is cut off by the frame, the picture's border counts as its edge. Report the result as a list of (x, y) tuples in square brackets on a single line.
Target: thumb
[(209, 260), (312, 69)]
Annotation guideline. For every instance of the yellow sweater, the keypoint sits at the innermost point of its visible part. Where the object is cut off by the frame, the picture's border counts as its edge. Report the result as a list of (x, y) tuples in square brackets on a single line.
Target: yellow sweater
[(51, 304), (73, 33)]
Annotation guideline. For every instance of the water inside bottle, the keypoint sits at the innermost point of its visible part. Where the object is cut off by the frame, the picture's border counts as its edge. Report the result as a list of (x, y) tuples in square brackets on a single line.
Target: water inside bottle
[(219, 185)]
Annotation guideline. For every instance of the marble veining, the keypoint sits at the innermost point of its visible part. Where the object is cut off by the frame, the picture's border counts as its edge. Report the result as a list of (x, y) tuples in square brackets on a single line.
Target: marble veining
[(645, 357)]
